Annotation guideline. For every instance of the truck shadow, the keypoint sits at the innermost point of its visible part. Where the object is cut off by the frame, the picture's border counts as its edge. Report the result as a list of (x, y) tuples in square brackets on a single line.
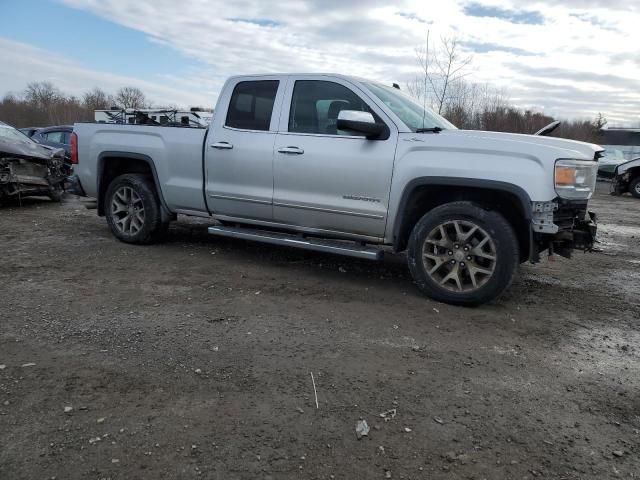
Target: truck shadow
[(24, 202), (194, 232)]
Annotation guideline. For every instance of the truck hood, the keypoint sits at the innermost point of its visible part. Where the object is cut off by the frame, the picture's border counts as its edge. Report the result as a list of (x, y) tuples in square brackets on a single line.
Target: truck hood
[(531, 144)]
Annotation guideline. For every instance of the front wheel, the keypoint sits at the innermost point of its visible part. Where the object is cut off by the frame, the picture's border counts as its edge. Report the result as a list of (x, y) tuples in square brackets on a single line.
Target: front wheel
[(461, 254), (133, 211)]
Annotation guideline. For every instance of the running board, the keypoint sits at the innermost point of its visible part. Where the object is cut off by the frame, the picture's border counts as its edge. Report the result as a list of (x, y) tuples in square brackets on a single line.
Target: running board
[(327, 246)]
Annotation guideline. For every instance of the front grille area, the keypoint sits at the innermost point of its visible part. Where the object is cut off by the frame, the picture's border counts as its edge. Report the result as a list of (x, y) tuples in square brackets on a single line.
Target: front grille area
[(569, 214)]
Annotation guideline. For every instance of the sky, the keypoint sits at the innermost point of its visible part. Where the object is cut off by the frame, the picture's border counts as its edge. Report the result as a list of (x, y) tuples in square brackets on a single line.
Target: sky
[(566, 58)]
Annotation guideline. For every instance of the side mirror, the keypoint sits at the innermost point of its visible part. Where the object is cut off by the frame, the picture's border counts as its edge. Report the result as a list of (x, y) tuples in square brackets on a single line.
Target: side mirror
[(361, 122)]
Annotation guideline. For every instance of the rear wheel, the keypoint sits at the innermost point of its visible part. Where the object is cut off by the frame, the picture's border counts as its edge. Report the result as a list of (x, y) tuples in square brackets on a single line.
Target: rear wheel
[(133, 211), (634, 187), (461, 254)]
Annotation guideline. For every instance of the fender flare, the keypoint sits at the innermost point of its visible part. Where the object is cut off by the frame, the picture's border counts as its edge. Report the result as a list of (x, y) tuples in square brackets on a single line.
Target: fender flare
[(518, 192), (102, 158)]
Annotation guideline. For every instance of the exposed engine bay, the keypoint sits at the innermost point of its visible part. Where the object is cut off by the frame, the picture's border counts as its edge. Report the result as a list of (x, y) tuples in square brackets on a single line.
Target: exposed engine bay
[(28, 168)]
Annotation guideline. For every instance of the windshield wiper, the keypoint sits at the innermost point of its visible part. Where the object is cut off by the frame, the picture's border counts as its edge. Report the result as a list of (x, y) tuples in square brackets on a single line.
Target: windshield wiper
[(431, 129)]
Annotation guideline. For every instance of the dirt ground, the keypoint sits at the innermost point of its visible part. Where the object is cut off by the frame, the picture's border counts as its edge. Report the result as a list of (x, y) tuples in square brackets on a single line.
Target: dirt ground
[(193, 359)]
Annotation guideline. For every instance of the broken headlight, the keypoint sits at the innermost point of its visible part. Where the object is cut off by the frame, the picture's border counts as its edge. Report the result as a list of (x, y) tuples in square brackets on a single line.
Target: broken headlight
[(575, 179)]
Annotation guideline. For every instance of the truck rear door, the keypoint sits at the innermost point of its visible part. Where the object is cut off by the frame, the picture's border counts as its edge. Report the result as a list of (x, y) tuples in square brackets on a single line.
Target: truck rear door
[(325, 178), (239, 148)]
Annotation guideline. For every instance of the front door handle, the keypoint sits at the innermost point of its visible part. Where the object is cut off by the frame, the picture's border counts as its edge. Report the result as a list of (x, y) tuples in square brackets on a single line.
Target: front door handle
[(291, 150), (222, 145)]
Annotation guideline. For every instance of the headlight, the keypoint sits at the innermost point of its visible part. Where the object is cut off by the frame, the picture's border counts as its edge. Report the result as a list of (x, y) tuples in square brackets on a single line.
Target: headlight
[(575, 179)]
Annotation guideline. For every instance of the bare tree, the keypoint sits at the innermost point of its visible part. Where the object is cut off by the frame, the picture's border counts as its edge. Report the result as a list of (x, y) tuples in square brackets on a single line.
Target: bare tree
[(97, 99), (42, 94), (441, 68), (131, 97)]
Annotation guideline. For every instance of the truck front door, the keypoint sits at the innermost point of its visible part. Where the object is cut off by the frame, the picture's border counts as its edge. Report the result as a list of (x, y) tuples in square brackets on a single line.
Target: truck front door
[(239, 149), (325, 178)]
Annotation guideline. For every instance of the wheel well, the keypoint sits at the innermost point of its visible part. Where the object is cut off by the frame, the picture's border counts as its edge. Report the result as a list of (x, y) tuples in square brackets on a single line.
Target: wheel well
[(426, 197), (113, 167), (634, 173)]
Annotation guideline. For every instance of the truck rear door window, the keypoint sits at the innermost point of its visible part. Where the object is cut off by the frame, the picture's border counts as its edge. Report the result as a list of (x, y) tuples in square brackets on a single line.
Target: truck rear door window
[(251, 105)]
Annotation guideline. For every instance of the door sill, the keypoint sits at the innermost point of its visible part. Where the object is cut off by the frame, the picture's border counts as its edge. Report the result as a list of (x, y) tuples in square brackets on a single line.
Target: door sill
[(296, 228)]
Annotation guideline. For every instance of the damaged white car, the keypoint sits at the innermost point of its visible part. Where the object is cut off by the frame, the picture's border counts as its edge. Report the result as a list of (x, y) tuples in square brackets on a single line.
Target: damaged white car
[(28, 168)]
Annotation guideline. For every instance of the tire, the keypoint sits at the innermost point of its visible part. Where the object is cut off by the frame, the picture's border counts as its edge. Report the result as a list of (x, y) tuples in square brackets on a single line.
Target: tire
[(461, 254), (634, 187), (55, 194), (133, 211)]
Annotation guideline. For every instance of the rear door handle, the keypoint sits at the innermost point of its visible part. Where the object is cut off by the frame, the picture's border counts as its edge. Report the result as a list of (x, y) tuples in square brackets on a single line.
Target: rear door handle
[(291, 150), (222, 145)]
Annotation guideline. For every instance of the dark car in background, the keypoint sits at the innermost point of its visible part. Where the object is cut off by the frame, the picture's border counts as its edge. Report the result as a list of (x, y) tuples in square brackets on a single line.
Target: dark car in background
[(58, 137), (29, 131)]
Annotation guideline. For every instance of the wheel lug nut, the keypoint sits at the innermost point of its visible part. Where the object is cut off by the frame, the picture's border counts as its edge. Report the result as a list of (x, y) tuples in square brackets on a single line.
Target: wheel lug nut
[(450, 252), (462, 264), (468, 258), (466, 249), (457, 246), (453, 262)]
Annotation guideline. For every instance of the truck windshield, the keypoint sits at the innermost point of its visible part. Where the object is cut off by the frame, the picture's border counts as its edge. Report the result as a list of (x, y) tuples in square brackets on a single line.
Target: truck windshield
[(408, 110)]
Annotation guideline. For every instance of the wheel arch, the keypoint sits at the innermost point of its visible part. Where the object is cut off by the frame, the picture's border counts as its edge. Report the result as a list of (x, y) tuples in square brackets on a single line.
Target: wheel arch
[(112, 164), (634, 172), (425, 193)]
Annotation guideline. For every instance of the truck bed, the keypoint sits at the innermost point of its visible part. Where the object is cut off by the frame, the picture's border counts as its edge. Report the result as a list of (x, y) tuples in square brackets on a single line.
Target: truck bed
[(176, 154)]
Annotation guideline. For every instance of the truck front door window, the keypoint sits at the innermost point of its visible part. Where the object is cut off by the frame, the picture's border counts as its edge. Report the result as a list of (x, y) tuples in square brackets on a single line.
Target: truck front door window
[(315, 106), (251, 105)]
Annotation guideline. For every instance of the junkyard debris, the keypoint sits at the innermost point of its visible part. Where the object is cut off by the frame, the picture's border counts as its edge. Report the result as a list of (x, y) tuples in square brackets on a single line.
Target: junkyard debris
[(314, 389), (389, 414), (28, 168), (362, 429)]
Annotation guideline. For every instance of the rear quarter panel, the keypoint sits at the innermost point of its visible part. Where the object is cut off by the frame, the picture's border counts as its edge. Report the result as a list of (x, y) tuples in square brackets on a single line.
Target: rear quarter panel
[(176, 154)]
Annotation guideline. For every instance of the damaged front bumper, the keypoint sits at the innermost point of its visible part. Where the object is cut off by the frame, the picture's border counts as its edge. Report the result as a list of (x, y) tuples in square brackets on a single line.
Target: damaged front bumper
[(562, 226), (28, 168)]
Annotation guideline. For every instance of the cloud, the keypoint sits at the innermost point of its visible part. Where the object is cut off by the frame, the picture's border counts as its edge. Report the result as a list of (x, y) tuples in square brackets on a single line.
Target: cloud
[(514, 16), (583, 45), (27, 64), (482, 47)]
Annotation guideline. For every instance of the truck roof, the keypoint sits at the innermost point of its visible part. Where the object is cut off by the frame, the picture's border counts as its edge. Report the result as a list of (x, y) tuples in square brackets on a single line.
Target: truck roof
[(319, 74)]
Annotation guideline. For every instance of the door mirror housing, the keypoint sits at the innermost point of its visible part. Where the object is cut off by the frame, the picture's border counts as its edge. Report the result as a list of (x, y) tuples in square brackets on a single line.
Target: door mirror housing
[(362, 122)]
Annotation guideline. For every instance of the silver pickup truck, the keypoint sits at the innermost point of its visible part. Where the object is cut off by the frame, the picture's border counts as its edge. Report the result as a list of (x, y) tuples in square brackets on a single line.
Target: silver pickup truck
[(349, 166)]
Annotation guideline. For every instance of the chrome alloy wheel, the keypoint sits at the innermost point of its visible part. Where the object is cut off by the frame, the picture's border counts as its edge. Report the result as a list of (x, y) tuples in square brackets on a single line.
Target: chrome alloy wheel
[(127, 210), (459, 256)]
